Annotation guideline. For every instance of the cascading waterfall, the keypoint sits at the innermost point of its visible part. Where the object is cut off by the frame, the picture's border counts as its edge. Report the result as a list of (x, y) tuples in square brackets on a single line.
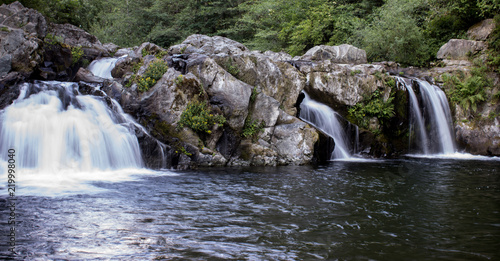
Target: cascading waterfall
[(54, 128), (430, 118), (327, 120), (103, 67)]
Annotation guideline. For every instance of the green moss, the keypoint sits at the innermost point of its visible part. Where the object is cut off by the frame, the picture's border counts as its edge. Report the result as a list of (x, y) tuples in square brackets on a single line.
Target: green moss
[(4, 29), (255, 92), (355, 72)]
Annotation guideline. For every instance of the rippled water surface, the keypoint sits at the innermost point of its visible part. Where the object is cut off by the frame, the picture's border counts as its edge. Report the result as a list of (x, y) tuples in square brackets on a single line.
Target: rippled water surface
[(412, 209)]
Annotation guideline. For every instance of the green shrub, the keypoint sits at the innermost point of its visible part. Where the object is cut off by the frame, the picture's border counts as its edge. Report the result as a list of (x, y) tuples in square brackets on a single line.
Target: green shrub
[(355, 72), (153, 73), (230, 68), (53, 40), (179, 80), (467, 91), (255, 92), (76, 54), (251, 128), (373, 106), (199, 118)]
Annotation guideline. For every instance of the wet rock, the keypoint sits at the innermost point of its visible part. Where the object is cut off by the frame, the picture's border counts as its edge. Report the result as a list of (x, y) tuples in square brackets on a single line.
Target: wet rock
[(111, 48), (279, 80), (482, 140), (294, 143), (87, 76), (341, 86)]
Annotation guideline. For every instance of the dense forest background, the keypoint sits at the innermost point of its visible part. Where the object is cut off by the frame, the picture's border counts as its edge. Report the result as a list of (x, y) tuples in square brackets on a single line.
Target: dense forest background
[(406, 31)]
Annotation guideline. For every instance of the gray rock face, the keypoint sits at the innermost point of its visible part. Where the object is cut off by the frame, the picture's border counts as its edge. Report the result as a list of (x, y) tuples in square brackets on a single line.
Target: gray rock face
[(481, 30), (342, 85), (346, 54), (17, 16), (228, 93), (213, 45), (169, 98), (22, 49), (294, 143), (483, 140), (74, 36), (5, 65), (459, 49)]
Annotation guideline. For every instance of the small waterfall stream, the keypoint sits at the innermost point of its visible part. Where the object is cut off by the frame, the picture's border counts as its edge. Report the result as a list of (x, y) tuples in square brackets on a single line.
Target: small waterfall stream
[(103, 67), (430, 118), (327, 120)]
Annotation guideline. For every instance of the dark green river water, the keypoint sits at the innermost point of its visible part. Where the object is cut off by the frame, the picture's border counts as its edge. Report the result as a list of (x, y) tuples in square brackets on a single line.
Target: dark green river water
[(408, 209)]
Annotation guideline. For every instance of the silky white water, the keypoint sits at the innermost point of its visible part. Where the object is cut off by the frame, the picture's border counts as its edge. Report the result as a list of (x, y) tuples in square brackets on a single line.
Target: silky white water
[(54, 128), (417, 124), (430, 118), (324, 118), (103, 67)]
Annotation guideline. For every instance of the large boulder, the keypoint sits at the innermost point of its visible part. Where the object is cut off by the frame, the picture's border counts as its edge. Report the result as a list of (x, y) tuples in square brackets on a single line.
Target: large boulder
[(460, 49), (294, 143), (482, 30), (76, 37), (171, 96), (344, 53), (342, 86), (277, 79), (231, 95), (482, 140), (209, 45)]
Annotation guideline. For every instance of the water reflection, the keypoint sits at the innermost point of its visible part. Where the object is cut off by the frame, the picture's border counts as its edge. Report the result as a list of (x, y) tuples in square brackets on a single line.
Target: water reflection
[(389, 210)]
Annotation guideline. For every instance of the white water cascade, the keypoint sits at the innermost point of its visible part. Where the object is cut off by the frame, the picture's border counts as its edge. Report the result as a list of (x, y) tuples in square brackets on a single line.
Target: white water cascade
[(54, 128), (103, 67), (430, 118), (327, 120)]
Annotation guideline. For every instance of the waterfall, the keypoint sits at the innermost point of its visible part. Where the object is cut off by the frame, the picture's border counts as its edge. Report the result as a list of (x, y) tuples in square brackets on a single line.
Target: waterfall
[(430, 118), (55, 128), (103, 67), (327, 120)]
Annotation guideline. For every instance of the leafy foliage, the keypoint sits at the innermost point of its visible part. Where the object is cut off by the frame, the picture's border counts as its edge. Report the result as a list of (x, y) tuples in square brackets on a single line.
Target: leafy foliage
[(76, 54), (373, 106), (198, 117), (153, 73), (468, 91), (252, 128), (405, 31)]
